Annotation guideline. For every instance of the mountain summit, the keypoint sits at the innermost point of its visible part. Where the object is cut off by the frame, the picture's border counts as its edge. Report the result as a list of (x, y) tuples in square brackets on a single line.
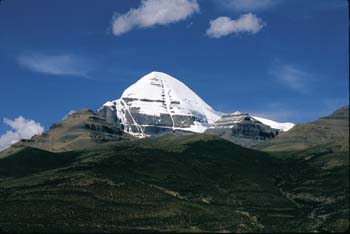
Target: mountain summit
[(159, 103)]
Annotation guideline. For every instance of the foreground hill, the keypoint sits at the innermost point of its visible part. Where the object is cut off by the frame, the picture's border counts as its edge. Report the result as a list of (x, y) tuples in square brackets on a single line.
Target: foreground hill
[(191, 183), (169, 183), (314, 167), (332, 130)]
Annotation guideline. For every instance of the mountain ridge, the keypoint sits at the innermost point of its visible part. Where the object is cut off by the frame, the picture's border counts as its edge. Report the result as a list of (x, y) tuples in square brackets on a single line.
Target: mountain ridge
[(81, 129), (333, 128)]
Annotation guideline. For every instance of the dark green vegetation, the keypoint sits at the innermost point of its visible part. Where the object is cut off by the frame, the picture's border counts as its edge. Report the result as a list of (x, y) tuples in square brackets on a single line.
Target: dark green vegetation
[(317, 180), (190, 183), (314, 168), (170, 183)]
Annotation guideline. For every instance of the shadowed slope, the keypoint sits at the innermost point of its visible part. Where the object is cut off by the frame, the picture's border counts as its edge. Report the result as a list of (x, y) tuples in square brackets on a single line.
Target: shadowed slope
[(189, 183)]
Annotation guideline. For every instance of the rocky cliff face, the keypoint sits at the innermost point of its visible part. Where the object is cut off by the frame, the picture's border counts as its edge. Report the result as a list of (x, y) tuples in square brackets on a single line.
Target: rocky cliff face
[(242, 129), (109, 114)]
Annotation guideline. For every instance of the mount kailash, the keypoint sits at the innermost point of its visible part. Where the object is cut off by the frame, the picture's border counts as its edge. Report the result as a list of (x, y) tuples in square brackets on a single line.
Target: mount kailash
[(159, 104)]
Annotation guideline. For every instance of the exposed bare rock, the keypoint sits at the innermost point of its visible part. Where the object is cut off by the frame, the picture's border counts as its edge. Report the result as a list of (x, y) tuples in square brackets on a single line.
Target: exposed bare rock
[(242, 129)]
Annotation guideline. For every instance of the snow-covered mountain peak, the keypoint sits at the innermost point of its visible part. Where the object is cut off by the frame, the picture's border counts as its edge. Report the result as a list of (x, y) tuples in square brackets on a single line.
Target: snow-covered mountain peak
[(161, 101), (158, 92), (148, 83)]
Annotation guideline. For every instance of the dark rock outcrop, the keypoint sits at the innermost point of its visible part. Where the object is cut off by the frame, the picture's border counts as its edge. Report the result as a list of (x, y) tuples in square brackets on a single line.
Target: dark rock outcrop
[(242, 129), (150, 125), (109, 115)]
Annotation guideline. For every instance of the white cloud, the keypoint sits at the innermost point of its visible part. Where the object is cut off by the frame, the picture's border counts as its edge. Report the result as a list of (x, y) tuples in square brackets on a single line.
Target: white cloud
[(21, 129), (247, 5), (292, 77), (223, 26), (63, 65), (154, 12)]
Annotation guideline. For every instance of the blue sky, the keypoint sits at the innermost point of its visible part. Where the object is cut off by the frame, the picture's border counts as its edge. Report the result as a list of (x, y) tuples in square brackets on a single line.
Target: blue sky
[(282, 59)]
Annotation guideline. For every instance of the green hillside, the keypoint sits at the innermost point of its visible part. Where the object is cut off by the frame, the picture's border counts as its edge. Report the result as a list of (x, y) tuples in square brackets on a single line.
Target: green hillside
[(173, 183)]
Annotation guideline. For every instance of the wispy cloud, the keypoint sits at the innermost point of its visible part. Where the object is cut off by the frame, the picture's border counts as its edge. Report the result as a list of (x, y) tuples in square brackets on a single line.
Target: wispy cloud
[(247, 5), (21, 129), (223, 26), (59, 65), (154, 12), (292, 77)]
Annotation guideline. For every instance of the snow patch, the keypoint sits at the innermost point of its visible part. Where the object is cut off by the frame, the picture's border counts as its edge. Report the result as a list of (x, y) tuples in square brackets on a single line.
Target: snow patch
[(276, 125)]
